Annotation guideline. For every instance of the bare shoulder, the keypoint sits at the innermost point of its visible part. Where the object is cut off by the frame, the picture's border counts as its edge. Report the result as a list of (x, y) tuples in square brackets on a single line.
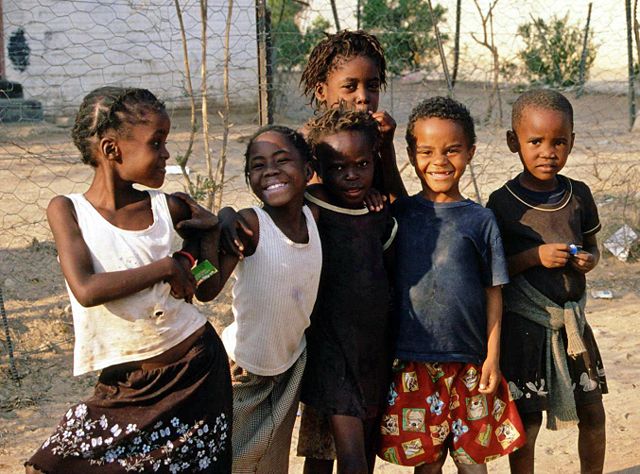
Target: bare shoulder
[(60, 207)]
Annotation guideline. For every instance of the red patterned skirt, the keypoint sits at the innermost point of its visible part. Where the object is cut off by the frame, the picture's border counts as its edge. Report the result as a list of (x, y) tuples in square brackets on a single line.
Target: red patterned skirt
[(436, 406)]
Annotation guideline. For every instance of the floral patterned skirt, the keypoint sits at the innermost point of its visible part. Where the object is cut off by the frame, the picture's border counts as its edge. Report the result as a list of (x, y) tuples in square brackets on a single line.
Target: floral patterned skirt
[(523, 362), (172, 419)]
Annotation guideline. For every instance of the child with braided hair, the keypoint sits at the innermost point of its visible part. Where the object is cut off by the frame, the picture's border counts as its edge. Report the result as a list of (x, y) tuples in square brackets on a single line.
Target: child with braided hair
[(163, 399), (348, 69)]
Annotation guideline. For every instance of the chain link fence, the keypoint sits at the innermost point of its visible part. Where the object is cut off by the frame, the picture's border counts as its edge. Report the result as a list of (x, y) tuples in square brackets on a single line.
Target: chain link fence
[(222, 68)]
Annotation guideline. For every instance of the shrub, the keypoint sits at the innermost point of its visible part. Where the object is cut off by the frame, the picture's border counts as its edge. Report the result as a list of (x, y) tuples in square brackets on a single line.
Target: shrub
[(553, 52), (405, 30)]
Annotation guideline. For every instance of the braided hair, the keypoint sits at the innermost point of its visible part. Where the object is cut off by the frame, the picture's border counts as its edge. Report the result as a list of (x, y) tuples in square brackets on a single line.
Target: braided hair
[(110, 108), (335, 48), (293, 136), (342, 120)]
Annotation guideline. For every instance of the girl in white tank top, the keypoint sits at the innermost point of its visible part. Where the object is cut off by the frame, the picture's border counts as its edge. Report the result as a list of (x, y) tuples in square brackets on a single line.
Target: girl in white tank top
[(163, 399), (273, 296)]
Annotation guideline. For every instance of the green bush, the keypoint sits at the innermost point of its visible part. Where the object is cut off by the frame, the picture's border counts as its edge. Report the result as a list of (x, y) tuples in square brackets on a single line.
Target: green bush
[(405, 29), (553, 52)]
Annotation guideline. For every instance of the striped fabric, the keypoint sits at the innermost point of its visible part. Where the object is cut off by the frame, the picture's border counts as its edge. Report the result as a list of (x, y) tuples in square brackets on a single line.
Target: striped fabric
[(264, 412)]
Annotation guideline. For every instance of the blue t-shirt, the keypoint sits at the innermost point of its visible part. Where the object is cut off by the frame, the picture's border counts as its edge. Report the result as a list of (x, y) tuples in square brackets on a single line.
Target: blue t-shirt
[(447, 254)]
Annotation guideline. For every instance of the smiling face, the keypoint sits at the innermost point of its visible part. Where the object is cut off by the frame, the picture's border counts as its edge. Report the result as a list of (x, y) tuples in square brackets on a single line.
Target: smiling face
[(354, 81), (277, 173), (142, 153), (543, 139), (346, 167), (440, 156)]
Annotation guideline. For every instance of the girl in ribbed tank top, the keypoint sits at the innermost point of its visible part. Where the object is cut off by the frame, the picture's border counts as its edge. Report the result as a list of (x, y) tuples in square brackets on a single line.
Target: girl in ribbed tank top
[(273, 296), (163, 399)]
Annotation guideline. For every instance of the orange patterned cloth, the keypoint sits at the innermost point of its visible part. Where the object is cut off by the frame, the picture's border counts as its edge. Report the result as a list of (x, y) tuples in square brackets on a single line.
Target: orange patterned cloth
[(433, 406)]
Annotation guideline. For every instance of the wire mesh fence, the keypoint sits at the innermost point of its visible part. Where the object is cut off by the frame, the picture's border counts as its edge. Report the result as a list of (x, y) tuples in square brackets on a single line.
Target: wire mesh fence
[(204, 59)]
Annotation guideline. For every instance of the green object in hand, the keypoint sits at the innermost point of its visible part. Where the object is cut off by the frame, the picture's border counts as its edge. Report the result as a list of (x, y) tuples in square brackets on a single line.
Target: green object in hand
[(203, 270)]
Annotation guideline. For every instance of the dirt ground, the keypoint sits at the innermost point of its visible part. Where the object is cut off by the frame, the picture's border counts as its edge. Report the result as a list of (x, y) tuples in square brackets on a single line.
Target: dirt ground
[(38, 162)]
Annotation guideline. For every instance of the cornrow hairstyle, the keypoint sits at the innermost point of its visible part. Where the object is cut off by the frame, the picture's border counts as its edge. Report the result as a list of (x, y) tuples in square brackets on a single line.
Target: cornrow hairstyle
[(442, 108), (541, 98), (294, 137), (341, 119), (111, 108), (328, 54)]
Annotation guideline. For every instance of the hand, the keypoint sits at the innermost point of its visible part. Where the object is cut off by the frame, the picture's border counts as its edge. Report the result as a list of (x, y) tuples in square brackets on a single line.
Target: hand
[(490, 377), (386, 124), (374, 200), (201, 219), (553, 255), (230, 222), (183, 284), (583, 261)]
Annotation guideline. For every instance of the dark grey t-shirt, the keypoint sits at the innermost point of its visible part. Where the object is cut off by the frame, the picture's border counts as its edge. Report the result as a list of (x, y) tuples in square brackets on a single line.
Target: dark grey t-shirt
[(447, 254)]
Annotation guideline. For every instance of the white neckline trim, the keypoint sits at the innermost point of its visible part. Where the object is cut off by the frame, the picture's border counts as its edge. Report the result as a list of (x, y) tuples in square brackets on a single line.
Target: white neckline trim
[(331, 207), (543, 209)]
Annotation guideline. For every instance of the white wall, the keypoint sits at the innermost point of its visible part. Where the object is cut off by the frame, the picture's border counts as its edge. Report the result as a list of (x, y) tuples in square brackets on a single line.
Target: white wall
[(79, 45)]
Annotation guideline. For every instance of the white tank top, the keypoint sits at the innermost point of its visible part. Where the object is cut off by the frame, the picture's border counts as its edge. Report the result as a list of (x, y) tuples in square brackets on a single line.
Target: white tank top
[(273, 296), (141, 325)]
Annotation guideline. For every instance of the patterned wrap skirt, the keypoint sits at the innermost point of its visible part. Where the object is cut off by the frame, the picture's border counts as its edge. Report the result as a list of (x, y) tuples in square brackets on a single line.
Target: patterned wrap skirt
[(172, 419), (433, 407)]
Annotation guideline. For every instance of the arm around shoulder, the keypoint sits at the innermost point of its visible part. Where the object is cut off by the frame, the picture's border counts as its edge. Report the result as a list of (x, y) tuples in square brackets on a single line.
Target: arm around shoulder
[(227, 262)]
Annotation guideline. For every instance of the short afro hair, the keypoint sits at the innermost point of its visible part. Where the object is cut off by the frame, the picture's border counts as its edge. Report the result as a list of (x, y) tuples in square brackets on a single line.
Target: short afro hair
[(328, 53), (443, 108), (543, 99), (341, 119)]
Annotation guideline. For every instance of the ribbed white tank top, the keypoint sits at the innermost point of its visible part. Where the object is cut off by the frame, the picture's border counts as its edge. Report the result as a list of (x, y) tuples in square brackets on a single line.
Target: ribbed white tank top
[(273, 296), (139, 326)]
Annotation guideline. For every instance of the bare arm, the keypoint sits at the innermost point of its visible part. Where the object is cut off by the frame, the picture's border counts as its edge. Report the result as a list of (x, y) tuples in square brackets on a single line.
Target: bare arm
[(491, 375), (392, 180), (547, 255), (226, 262), (91, 288)]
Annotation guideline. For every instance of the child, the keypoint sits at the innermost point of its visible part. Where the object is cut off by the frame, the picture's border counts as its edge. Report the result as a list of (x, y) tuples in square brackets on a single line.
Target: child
[(349, 338), (273, 296), (348, 68), (540, 214), (163, 399), (447, 390)]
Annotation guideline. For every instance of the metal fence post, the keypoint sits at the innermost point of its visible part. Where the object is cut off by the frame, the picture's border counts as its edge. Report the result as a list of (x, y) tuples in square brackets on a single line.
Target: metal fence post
[(265, 75), (632, 90)]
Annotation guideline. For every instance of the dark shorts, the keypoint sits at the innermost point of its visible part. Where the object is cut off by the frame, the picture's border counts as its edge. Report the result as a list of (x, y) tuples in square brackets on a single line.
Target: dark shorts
[(523, 364), (175, 418)]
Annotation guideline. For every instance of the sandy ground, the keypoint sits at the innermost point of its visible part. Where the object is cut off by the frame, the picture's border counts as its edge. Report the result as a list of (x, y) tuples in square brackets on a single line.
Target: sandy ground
[(37, 162)]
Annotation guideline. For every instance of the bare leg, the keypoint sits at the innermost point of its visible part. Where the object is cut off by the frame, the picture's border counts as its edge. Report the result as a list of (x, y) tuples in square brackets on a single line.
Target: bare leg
[(591, 438), (317, 466), (371, 429), (522, 460), (348, 434), (432, 468), (472, 468)]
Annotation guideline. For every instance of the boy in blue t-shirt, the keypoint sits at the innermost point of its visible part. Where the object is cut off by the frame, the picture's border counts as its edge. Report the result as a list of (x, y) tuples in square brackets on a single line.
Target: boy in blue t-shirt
[(447, 390)]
